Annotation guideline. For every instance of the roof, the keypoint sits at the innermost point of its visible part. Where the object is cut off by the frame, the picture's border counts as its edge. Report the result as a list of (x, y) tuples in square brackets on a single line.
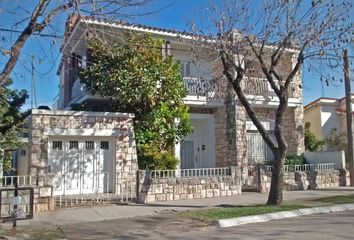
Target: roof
[(318, 100), (74, 20), (139, 27)]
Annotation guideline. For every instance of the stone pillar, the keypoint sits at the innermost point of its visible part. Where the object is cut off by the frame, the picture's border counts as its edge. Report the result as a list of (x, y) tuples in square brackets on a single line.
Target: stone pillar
[(235, 173), (300, 129), (126, 161)]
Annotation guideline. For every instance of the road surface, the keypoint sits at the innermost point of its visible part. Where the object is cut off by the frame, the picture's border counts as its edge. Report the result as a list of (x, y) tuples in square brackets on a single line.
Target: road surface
[(321, 226)]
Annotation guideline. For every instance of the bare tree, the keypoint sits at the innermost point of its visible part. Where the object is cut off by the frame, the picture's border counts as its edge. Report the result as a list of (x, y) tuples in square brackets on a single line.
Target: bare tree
[(45, 11), (270, 32)]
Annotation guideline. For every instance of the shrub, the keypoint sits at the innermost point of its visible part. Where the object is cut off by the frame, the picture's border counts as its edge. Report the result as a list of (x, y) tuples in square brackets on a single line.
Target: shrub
[(291, 159), (153, 158), (294, 159), (312, 144)]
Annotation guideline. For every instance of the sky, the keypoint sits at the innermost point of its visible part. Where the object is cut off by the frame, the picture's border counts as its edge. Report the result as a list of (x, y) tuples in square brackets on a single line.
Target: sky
[(47, 55)]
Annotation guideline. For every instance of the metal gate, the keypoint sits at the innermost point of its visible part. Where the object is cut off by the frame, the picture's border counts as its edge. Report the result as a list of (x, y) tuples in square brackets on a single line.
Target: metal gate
[(258, 152)]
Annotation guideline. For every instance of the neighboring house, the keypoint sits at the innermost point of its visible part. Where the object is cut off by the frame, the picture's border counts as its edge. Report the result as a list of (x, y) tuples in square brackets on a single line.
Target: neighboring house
[(86, 148), (325, 114)]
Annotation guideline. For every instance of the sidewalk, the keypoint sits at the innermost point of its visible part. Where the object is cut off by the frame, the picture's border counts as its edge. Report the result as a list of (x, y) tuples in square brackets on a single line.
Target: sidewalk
[(111, 212)]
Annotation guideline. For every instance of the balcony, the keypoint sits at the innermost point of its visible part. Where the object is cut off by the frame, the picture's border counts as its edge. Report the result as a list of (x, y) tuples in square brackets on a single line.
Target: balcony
[(261, 87), (199, 87)]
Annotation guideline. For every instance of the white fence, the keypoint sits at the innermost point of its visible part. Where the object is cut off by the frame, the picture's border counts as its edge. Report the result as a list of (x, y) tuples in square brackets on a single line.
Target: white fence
[(11, 181), (306, 167), (196, 172)]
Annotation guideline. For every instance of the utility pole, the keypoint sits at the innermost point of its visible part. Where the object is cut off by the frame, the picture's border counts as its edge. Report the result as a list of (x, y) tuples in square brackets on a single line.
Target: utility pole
[(348, 103)]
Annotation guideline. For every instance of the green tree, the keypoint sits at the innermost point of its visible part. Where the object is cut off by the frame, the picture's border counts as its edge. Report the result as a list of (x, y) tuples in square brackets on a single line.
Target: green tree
[(12, 121), (312, 144), (136, 78)]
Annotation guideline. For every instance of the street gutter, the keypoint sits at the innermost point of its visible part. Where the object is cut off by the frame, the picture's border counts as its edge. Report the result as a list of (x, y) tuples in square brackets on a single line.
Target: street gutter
[(223, 223)]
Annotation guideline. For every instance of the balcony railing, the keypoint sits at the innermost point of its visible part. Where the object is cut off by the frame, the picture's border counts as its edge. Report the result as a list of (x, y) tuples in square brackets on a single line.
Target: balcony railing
[(261, 87), (198, 87)]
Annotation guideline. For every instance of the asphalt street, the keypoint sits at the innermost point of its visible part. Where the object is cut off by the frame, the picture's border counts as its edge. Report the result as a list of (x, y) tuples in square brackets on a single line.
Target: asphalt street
[(321, 226)]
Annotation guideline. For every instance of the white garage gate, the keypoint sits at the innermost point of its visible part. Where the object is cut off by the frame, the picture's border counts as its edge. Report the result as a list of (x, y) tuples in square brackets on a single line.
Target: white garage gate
[(82, 165)]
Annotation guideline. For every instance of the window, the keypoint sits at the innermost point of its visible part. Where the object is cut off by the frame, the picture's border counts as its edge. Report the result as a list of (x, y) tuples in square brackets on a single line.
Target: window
[(57, 145), (185, 68), (105, 145), (89, 145), (23, 153), (73, 145)]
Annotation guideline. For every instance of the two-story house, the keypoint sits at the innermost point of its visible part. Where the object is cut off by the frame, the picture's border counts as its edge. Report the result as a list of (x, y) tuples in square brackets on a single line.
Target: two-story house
[(94, 152), (222, 135)]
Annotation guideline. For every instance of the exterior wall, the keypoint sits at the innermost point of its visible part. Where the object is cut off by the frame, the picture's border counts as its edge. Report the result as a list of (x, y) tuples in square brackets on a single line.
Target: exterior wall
[(181, 188), (293, 126), (313, 116), (338, 158), (303, 180), (43, 121), (329, 120)]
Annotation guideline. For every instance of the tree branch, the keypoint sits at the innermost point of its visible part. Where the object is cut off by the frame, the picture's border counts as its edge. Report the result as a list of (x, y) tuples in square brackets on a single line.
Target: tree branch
[(236, 83), (31, 27)]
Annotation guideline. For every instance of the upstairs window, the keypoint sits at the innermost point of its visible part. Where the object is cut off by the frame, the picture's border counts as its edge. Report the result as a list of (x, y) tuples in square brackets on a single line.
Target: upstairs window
[(185, 69)]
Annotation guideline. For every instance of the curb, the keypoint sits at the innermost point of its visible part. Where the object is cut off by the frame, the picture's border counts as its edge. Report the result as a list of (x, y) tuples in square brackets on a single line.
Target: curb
[(223, 223)]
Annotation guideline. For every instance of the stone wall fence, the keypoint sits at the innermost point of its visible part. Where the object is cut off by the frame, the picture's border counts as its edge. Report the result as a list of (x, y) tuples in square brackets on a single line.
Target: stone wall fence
[(304, 177), (166, 185)]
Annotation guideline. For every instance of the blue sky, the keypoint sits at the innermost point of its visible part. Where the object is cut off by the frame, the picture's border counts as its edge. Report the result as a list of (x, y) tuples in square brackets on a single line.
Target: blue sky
[(47, 55)]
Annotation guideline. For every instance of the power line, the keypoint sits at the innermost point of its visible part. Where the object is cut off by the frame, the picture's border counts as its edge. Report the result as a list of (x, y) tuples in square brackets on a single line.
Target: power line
[(38, 34)]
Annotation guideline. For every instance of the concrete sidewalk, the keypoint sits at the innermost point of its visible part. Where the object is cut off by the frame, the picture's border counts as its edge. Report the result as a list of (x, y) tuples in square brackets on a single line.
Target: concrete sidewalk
[(110, 212)]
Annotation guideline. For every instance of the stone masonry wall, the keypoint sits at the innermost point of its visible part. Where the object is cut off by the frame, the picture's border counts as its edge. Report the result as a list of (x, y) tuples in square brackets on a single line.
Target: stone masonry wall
[(181, 188), (42, 120), (302, 180), (293, 126)]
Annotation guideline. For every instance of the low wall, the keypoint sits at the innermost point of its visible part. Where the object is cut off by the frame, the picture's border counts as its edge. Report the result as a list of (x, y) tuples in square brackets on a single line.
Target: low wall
[(304, 180), (43, 199), (180, 188), (338, 158)]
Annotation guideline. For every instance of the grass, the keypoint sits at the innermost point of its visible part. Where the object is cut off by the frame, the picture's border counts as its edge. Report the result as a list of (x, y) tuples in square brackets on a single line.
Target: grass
[(211, 215), (337, 199), (34, 234)]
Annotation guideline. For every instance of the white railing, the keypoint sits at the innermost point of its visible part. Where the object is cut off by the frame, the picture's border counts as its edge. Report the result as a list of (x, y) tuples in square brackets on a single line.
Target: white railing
[(198, 87), (261, 87), (205, 172), (306, 167), (11, 181), (196, 172)]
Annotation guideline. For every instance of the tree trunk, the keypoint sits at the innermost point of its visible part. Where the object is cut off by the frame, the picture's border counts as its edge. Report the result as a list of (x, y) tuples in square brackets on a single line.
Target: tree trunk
[(275, 196)]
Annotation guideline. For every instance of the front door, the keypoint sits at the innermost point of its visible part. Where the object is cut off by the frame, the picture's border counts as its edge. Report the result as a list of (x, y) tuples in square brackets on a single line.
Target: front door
[(190, 156)]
